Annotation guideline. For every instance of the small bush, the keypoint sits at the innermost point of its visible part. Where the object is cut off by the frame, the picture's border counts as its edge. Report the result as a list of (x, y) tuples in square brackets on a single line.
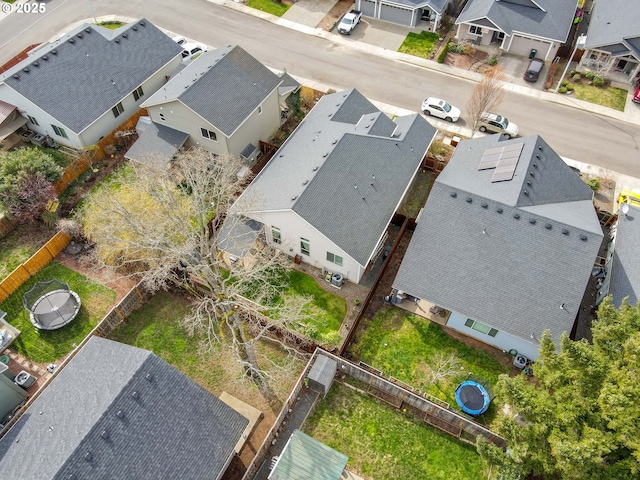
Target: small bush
[(576, 77), (594, 184), (569, 87), (589, 75), (468, 49), (443, 53), (493, 61), (562, 90), (564, 83), (572, 72), (598, 81)]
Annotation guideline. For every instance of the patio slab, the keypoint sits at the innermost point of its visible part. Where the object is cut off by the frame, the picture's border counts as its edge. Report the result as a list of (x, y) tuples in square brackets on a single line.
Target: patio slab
[(247, 411)]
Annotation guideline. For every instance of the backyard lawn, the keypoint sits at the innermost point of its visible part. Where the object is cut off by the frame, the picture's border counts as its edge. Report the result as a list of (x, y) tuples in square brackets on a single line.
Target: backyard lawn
[(401, 344), (269, 6), (385, 444), (156, 326), (419, 44), (50, 346), (17, 247)]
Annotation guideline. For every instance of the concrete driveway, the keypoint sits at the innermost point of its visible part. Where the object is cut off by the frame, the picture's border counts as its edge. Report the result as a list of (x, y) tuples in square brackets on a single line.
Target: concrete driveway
[(382, 34), (514, 67), (309, 12)]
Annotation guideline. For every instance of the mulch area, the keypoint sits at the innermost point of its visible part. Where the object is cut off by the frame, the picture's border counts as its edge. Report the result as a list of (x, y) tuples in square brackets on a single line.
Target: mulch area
[(335, 14), (460, 60)]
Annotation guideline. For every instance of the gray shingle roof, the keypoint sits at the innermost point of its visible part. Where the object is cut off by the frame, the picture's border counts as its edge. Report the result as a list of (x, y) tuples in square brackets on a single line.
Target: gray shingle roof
[(86, 78), (174, 429), (316, 171), (238, 236), (625, 271), (223, 86), (470, 254), (157, 145), (544, 18), (614, 27)]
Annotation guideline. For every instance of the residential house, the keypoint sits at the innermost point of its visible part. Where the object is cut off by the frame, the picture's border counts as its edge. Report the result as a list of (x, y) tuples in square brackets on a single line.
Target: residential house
[(225, 101), (116, 411), (329, 193), (620, 274), (405, 12), (79, 88), (505, 245), (518, 26), (613, 40)]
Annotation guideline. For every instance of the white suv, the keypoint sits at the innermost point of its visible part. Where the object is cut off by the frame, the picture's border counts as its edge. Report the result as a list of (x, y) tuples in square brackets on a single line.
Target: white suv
[(491, 122), (192, 50), (441, 109)]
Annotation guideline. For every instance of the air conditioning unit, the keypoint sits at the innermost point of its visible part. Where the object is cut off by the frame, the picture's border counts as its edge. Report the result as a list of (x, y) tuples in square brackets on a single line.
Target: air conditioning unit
[(520, 361)]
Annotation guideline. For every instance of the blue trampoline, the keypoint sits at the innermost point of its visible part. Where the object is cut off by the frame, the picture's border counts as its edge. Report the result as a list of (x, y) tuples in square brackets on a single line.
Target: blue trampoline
[(472, 397)]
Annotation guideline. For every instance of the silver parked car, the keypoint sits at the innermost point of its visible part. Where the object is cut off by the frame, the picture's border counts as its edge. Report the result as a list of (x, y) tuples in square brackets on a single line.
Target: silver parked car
[(494, 123)]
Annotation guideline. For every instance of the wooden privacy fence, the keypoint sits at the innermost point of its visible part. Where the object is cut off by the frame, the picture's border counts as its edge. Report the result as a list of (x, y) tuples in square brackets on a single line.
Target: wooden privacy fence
[(29, 268), (84, 161), (6, 226)]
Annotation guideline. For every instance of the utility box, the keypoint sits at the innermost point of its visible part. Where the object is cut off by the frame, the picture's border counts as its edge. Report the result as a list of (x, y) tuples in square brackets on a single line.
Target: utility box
[(533, 53)]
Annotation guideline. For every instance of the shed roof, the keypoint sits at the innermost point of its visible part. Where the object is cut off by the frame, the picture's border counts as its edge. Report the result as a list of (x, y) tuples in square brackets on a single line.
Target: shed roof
[(625, 270), (115, 412), (497, 255), (323, 370), (157, 145), (89, 70), (305, 458)]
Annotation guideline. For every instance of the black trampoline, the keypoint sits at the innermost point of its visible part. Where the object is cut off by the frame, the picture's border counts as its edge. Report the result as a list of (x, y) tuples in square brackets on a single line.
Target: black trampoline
[(472, 397)]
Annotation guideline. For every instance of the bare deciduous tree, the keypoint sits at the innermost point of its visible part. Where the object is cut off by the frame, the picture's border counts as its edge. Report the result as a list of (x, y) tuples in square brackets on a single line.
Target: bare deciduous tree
[(486, 96), (441, 365), (165, 227)]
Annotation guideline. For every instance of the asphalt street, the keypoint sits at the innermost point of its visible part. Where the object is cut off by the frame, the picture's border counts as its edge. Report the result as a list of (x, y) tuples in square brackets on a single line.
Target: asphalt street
[(574, 133)]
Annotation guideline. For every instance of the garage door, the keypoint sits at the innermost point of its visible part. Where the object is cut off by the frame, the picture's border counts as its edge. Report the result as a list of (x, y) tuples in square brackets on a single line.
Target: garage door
[(397, 15), (522, 46), (367, 8)]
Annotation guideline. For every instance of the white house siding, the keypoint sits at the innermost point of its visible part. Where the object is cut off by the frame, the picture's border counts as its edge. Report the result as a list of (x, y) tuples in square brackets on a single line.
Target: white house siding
[(257, 126), (180, 117), (292, 228), (502, 340), (26, 107)]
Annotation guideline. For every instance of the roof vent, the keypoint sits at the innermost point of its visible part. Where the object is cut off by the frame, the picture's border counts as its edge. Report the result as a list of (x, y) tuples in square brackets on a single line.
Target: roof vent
[(16, 76), (525, 192), (516, 216), (565, 231), (120, 414), (548, 226), (135, 395), (334, 142), (540, 147), (281, 155), (532, 221), (372, 118), (134, 28), (25, 69), (367, 126), (329, 114), (325, 155), (79, 35), (45, 57), (71, 40), (535, 165), (88, 456), (485, 204), (54, 51), (124, 35), (315, 169), (469, 199), (149, 376), (105, 435), (453, 194), (88, 30), (305, 182), (117, 40), (294, 197), (36, 63), (532, 174), (499, 210), (142, 23), (583, 237), (529, 183)]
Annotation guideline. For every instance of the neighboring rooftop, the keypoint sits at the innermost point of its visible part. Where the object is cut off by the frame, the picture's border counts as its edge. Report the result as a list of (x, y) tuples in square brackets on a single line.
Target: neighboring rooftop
[(89, 70), (625, 270), (157, 145), (507, 252), (436, 5), (545, 18), (223, 86), (305, 458), (117, 411), (344, 170), (614, 28)]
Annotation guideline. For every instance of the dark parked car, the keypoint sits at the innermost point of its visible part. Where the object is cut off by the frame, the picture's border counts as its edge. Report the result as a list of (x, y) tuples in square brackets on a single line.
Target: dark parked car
[(533, 70)]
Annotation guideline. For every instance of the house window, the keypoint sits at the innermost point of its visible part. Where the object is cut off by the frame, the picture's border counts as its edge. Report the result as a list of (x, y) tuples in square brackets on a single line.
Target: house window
[(138, 93), (480, 327), (333, 258), (59, 131), (117, 110), (209, 134), (275, 234), (161, 115), (304, 246), (33, 120), (473, 30)]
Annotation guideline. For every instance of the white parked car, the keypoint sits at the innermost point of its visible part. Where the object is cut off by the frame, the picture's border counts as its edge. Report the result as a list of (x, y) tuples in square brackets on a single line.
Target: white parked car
[(441, 109), (192, 50), (179, 39)]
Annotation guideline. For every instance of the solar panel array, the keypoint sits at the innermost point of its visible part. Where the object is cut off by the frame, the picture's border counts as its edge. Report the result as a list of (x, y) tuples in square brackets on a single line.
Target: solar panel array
[(503, 159)]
